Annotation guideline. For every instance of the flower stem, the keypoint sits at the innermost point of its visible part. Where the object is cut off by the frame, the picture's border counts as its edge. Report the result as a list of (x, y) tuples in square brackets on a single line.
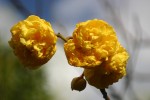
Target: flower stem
[(62, 37), (82, 75), (105, 96)]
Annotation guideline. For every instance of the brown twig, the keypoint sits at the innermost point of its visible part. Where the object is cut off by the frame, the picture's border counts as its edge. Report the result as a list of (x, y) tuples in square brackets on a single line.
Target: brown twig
[(62, 37), (104, 93)]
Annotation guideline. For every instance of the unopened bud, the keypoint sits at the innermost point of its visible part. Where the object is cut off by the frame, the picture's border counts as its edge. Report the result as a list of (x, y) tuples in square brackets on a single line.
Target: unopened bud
[(78, 83)]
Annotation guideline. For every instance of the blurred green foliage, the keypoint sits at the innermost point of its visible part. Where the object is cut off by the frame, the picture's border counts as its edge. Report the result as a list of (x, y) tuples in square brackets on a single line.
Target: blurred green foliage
[(19, 83)]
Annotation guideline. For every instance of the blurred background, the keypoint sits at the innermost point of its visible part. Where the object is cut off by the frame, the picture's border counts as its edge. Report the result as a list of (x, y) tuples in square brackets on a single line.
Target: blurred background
[(131, 20)]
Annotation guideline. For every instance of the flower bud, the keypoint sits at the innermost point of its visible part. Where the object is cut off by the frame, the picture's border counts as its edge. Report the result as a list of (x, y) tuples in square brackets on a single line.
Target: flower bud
[(78, 83)]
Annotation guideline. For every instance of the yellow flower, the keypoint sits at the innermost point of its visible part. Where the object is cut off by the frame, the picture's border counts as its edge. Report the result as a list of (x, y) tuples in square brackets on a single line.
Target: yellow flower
[(109, 71), (95, 47), (94, 41), (33, 41)]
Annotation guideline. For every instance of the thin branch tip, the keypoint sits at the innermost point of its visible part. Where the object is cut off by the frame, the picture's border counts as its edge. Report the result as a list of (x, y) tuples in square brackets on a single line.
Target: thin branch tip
[(104, 93), (62, 37)]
